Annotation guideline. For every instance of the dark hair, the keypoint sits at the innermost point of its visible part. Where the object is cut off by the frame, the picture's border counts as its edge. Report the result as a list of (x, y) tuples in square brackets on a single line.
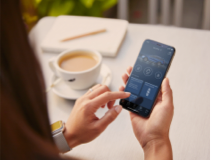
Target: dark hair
[(25, 128)]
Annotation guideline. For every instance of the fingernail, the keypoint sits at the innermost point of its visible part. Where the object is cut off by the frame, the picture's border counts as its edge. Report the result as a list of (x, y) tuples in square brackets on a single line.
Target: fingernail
[(128, 93), (118, 109)]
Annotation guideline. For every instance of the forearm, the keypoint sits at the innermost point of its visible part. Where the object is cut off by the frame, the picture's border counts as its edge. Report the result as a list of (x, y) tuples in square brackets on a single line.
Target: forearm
[(158, 149)]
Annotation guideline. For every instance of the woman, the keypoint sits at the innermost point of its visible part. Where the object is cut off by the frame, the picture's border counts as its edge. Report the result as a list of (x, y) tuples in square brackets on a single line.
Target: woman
[(25, 129)]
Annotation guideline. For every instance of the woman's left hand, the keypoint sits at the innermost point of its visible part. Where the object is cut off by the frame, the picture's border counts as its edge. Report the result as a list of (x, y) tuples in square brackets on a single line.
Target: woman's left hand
[(83, 126)]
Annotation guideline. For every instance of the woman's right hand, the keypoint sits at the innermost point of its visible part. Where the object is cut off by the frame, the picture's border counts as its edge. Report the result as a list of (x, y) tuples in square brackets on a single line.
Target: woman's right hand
[(83, 125), (153, 132)]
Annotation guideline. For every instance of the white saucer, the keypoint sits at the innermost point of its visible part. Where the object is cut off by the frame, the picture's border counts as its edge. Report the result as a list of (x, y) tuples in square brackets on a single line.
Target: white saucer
[(64, 91)]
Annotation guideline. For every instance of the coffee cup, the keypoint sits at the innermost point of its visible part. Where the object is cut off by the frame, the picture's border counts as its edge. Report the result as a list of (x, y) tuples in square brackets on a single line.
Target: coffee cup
[(79, 68)]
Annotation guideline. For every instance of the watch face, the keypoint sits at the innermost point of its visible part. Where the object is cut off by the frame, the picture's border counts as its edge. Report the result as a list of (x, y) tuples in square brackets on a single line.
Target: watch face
[(56, 126)]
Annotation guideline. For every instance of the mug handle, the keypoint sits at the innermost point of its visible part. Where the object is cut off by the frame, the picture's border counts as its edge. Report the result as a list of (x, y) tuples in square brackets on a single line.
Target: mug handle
[(52, 65)]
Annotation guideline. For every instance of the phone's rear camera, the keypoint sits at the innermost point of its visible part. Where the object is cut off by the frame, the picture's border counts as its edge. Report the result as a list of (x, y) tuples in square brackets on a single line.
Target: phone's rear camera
[(158, 44)]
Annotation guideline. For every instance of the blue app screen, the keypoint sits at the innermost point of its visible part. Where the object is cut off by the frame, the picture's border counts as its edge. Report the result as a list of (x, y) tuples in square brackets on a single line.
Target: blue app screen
[(148, 73)]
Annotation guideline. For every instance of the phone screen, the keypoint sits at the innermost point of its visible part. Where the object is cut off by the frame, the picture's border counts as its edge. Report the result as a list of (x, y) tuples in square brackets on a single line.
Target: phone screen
[(146, 77)]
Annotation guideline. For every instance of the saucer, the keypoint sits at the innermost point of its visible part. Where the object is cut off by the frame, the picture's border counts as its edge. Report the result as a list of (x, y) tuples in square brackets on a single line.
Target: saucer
[(62, 90)]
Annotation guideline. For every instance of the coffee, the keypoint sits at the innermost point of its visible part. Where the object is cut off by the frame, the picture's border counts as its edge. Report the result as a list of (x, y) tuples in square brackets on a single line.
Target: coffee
[(78, 62)]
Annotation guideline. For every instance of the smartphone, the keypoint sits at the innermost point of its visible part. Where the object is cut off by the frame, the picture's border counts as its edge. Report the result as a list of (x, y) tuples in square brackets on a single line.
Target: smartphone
[(145, 80)]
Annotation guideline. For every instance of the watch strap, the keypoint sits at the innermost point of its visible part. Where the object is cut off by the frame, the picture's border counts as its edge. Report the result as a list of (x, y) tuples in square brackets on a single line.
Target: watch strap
[(61, 142)]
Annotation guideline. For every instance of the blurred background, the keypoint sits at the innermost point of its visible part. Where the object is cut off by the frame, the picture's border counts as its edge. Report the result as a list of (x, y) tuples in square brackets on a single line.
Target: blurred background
[(193, 14)]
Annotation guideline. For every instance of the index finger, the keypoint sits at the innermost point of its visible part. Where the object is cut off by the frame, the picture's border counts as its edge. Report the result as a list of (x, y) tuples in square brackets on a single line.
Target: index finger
[(108, 96)]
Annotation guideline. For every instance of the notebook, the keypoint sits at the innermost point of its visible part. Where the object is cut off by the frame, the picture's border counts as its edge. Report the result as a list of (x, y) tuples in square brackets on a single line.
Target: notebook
[(107, 43)]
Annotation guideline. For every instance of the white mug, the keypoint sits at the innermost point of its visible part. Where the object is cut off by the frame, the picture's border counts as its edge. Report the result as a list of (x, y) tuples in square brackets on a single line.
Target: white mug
[(77, 80)]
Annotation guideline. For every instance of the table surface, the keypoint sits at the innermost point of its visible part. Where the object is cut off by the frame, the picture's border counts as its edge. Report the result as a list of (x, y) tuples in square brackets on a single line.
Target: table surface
[(189, 79)]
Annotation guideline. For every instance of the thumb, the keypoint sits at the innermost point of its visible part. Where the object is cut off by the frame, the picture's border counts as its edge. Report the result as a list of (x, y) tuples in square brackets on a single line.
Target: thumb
[(166, 92), (110, 116)]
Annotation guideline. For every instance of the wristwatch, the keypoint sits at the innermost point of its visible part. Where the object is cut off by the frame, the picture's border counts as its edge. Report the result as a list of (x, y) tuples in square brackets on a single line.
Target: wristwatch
[(58, 129)]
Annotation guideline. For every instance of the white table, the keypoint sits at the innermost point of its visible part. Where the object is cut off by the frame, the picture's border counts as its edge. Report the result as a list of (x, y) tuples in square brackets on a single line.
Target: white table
[(189, 78)]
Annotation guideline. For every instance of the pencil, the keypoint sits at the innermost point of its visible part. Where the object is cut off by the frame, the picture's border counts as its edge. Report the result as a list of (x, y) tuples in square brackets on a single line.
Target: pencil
[(83, 35)]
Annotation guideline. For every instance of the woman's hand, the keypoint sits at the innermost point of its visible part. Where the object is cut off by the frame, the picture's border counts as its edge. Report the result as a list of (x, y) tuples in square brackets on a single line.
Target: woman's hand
[(154, 131), (83, 126)]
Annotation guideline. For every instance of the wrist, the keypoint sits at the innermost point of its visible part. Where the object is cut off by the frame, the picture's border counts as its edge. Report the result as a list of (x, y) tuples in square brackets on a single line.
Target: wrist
[(155, 143), (160, 148), (71, 139)]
